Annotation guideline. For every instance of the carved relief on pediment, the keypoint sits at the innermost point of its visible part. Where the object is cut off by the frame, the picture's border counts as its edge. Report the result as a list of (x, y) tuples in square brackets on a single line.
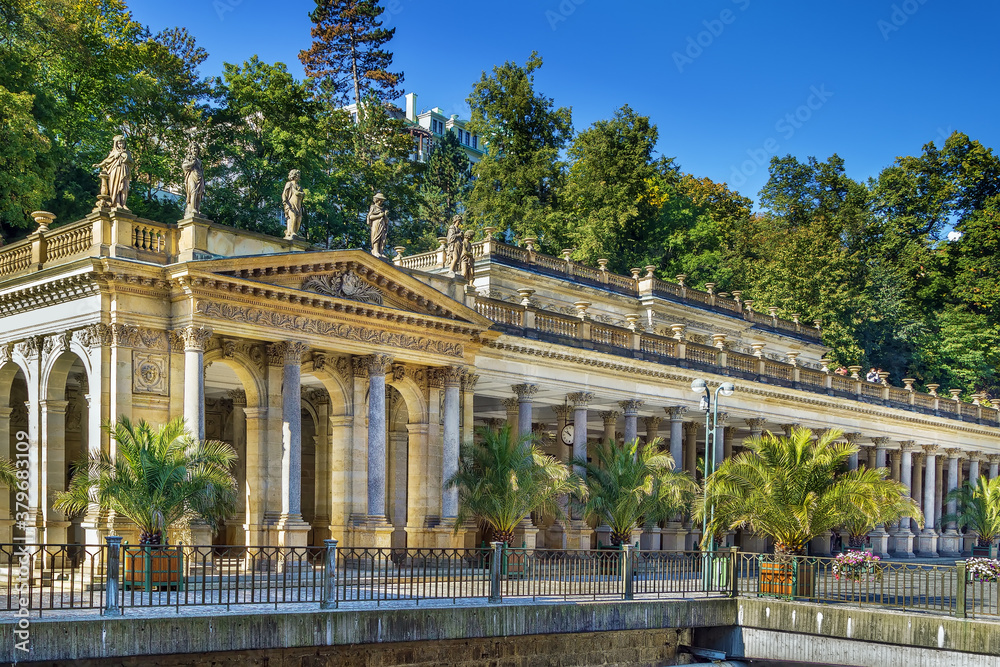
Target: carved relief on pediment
[(344, 285)]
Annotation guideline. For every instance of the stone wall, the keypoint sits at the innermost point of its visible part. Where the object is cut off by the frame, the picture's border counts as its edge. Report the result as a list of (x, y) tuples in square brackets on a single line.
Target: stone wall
[(625, 648)]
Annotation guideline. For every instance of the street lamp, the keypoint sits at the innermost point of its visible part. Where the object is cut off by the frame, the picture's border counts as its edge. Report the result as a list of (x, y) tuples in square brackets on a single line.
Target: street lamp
[(711, 409)]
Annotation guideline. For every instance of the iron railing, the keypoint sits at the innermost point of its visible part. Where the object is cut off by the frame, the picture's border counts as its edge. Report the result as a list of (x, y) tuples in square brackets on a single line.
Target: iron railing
[(117, 578)]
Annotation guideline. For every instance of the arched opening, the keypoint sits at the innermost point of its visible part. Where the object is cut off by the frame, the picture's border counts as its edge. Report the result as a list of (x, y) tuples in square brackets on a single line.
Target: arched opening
[(14, 418), (64, 442), (397, 464)]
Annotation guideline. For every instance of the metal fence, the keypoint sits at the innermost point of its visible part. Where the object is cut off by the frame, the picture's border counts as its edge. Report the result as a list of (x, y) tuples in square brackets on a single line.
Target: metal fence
[(117, 578)]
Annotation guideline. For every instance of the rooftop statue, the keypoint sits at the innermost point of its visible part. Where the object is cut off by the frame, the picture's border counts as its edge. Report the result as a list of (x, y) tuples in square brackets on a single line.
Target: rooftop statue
[(378, 222), (116, 173), (194, 182), (291, 202), (454, 244), (468, 261)]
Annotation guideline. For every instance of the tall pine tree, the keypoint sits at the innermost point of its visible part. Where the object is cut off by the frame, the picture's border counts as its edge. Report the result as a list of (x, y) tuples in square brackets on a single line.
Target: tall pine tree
[(346, 57)]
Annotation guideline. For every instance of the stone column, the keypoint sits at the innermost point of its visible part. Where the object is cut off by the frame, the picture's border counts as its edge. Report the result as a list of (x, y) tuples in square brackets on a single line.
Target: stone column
[(195, 338), (630, 409), (469, 381), (927, 542), (879, 537), (234, 526), (6, 518), (610, 418), (676, 414), (853, 439), (788, 428), (939, 492), (720, 437), (917, 488), (727, 442), (510, 406), (53, 468), (750, 541), (974, 473), (578, 533), (525, 393), (292, 530), (652, 425), (376, 364), (449, 462), (950, 544), (994, 460), (691, 448), (903, 547), (756, 426)]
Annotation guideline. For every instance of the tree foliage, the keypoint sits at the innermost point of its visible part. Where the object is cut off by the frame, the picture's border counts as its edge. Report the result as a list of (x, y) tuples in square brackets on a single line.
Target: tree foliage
[(978, 505)]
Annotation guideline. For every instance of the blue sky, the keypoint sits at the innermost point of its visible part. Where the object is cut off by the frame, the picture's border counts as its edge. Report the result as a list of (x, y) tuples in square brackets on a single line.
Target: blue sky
[(728, 82)]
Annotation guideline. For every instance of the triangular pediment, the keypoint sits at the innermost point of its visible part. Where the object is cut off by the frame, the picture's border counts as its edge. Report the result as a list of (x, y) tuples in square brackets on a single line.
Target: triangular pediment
[(347, 275)]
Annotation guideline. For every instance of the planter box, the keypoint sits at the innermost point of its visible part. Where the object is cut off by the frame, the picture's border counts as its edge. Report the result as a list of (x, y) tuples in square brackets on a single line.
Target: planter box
[(789, 579), (985, 552), (152, 567)]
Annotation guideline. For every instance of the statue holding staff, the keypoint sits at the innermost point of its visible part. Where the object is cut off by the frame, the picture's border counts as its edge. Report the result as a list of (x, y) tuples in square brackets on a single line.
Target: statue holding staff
[(194, 183), (454, 244), (468, 262), (378, 222), (291, 201), (118, 168)]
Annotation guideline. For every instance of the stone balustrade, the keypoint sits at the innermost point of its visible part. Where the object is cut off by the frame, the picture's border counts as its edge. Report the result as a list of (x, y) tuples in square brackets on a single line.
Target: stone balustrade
[(642, 283), (532, 322)]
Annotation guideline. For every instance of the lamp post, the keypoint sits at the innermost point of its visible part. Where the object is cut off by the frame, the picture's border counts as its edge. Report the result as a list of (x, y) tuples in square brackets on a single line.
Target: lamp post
[(711, 426)]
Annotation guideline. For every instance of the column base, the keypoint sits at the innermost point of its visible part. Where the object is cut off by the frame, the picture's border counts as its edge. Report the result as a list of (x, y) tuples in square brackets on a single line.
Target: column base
[(444, 535), (950, 544), (880, 542), (603, 535), (525, 535), (820, 545), (578, 535), (903, 544), (927, 544), (673, 537), (292, 531), (651, 539), (969, 540), (370, 532), (555, 535), (753, 543), (200, 534)]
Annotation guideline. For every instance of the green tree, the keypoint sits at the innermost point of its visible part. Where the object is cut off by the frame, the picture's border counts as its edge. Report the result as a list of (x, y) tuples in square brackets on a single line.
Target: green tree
[(346, 60), (25, 169), (628, 484), (444, 187), (518, 181), (611, 194), (793, 488), (8, 473), (156, 479), (502, 479), (979, 509)]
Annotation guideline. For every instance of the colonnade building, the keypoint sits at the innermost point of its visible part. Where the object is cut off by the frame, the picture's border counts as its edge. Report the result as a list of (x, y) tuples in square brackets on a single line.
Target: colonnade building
[(346, 382)]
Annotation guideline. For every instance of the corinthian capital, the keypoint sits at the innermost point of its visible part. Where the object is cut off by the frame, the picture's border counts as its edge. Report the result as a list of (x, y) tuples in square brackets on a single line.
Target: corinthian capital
[(452, 375), (377, 363), (195, 337), (630, 407), (880, 443), (580, 399), (524, 392), (675, 412)]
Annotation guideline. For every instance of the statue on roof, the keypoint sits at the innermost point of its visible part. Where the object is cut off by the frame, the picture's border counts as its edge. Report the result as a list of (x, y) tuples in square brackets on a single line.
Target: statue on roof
[(453, 244), (194, 183), (291, 201), (468, 262), (378, 222), (116, 174)]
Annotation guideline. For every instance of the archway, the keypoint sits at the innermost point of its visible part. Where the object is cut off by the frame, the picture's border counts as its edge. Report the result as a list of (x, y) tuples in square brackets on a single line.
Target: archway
[(397, 464), (13, 420)]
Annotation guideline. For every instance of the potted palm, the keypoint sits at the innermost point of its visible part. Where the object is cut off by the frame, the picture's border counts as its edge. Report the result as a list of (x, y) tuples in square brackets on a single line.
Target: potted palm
[(501, 480), (792, 489), (978, 510), (628, 484), (158, 479)]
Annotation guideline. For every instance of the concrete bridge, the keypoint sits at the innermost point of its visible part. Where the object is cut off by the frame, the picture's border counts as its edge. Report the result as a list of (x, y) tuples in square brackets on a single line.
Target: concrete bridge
[(470, 634)]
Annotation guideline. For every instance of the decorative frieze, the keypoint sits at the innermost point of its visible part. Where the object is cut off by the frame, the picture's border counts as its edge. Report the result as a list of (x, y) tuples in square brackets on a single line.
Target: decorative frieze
[(352, 332)]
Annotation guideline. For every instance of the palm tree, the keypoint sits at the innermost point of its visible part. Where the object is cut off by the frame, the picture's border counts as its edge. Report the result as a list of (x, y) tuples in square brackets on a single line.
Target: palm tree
[(501, 480), (793, 489), (979, 509), (156, 479), (892, 507), (8, 473), (628, 484)]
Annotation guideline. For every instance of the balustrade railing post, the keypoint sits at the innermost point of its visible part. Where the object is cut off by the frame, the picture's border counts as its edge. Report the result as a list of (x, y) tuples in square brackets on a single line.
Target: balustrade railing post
[(329, 600), (960, 607), (628, 590), (734, 588), (495, 565), (114, 544)]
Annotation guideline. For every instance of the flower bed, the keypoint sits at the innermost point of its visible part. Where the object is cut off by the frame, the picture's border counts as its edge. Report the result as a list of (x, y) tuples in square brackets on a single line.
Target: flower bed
[(982, 569), (856, 566)]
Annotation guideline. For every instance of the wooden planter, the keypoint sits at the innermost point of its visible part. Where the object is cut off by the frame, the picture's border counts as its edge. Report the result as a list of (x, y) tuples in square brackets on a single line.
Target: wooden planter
[(788, 579), (985, 552), (152, 567)]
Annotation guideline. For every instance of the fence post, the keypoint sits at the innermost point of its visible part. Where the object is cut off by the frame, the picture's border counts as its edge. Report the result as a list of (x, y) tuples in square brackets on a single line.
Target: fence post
[(495, 564), (628, 591), (960, 609), (734, 588), (111, 607), (329, 600)]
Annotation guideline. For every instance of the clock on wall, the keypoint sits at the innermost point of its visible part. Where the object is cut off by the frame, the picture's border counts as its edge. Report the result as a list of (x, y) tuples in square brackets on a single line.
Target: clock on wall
[(567, 434)]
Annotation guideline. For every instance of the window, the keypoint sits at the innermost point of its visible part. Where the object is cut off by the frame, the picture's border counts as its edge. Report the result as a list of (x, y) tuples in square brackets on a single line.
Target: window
[(475, 141), (467, 139)]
